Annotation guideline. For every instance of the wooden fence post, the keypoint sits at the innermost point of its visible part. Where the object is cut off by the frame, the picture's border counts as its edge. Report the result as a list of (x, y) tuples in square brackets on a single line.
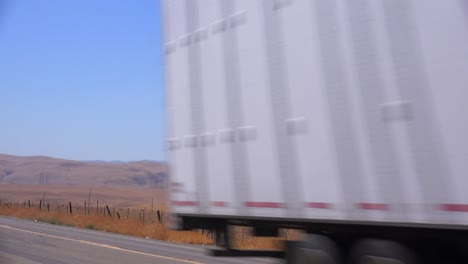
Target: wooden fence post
[(108, 210), (71, 209), (159, 216)]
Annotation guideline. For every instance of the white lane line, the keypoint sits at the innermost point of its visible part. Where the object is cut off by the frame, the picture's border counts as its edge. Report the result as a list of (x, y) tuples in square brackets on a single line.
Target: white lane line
[(105, 246)]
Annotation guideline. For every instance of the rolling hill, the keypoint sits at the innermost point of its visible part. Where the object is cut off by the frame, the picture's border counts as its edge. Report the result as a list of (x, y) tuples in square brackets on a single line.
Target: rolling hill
[(41, 170)]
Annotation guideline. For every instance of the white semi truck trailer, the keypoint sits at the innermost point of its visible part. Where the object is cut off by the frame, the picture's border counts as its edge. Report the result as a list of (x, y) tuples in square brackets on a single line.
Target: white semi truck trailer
[(347, 119)]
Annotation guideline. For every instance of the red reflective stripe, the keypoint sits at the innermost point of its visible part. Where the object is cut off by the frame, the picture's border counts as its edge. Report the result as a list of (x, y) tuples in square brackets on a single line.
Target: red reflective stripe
[(373, 206), (184, 203), (218, 204), (318, 205), (454, 207), (264, 204)]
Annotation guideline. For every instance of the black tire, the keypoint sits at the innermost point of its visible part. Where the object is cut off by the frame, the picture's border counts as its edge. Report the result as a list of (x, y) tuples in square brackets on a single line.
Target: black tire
[(314, 249), (381, 251)]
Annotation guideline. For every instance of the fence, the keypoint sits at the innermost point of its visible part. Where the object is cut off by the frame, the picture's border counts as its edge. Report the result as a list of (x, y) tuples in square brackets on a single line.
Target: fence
[(242, 235), (144, 216)]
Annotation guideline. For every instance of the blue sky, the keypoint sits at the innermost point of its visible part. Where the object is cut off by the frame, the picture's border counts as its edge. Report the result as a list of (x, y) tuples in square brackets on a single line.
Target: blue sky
[(81, 79)]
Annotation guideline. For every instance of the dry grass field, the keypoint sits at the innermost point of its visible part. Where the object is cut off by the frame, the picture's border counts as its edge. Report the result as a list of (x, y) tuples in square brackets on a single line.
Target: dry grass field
[(133, 227), (112, 196), (147, 226), (119, 197), (136, 207)]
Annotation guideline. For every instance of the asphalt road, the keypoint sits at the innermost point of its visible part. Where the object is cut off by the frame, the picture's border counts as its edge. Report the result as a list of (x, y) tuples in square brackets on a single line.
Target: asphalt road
[(29, 242)]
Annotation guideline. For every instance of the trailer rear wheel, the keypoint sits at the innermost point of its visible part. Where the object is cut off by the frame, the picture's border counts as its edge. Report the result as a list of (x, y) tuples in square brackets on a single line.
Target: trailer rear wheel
[(375, 251), (314, 249)]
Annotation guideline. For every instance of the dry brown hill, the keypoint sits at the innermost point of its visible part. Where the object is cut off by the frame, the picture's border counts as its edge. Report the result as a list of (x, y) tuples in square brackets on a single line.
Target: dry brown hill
[(51, 171)]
